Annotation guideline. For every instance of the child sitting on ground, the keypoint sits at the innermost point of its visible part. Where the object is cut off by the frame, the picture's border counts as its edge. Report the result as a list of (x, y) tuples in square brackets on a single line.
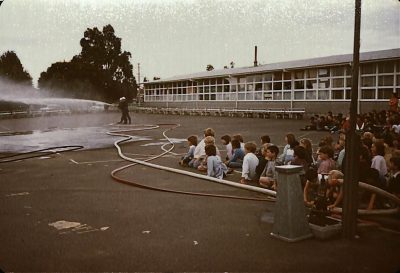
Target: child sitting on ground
[(311, 188), (238, 154), (326, 163), (264, 140), (192, 142), (250, 162), (203, 163), (215, 167), (334, 192), (226, 141), (268, 176), (199, 153)]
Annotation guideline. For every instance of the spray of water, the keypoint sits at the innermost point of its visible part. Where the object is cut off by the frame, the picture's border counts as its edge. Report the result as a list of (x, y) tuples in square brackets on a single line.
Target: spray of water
[(44, 100)]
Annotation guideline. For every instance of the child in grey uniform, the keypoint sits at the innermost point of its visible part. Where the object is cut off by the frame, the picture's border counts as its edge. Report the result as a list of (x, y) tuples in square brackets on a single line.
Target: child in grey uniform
[(215, 167)]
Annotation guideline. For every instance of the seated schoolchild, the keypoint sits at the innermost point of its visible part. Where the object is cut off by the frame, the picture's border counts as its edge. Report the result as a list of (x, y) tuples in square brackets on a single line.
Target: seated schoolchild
[(250, 162), (240, 138), (334, 192), (203, 159), (192, 142), (268, 176), (311, 187), (326, 163), (262, 161), (215, 167), (394, 181), (226, 141), (264, 140), (199, 152), (238, 154)]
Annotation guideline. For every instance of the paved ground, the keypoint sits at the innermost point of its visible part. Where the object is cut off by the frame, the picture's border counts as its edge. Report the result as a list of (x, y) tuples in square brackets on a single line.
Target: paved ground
[(123, 228)]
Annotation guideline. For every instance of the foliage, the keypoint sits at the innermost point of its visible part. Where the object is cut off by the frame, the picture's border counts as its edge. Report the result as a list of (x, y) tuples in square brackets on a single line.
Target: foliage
[(12, 69), (209, 67), (101, 71)]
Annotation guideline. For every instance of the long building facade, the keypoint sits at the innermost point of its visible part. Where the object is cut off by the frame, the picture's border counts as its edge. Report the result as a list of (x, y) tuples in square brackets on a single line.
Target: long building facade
[(318, 85)]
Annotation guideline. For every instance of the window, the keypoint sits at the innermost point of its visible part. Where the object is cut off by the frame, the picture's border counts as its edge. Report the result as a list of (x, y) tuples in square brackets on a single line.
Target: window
[(277, 76), (287, 85), (299, 74), (323, 83), (323, 94), (267, 86), (250, 96), (385, 80), (386, 67), (311, 73), (337, 83), (287, 76), (385, 93), (311, 84), (368, 81), (299, 85), (277, 85), (268, 77), (258, 96), (258, 86), (311, 95), (368, 94), (277, 95), (348, 94), (337, 94), (348, 82), (250, 87), (368, 68), (258, 78), (323, 72), (299, 95), (338, 71), (287, 95), (398, 80)]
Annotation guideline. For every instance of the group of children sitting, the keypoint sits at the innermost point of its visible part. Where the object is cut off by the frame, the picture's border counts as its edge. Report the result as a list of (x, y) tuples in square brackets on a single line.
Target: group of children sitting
[(258, 164)]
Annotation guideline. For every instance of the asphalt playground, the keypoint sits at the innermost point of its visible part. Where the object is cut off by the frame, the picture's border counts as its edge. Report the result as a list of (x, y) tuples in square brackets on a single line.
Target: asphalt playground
[(64, 212)]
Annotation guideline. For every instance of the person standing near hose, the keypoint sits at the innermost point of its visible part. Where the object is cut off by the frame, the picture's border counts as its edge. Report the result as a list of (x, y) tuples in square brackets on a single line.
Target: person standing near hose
[(123, 106)]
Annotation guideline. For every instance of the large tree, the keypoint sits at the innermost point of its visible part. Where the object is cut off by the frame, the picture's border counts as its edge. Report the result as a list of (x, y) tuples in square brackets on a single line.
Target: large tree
[(100, 71), (12, 69)]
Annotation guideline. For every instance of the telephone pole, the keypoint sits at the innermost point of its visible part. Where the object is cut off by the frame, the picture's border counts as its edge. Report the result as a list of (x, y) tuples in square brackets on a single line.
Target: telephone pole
[(351, 174), (138, 95)]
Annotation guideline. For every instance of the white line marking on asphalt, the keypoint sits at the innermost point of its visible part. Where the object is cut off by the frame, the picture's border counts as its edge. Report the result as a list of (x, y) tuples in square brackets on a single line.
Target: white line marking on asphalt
[(104, 228), (64, 224), (146, 232), (18, 194), (73, 161)]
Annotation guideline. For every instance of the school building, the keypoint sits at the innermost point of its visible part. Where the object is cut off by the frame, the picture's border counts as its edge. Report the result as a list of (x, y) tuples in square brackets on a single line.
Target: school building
[(316, 85)]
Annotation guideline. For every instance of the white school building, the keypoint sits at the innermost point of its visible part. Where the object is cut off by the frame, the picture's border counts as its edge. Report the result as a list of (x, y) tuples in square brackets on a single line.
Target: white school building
[(316, 85)]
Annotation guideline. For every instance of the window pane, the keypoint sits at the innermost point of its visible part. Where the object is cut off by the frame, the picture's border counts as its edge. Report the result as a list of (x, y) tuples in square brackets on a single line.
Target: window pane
[(277, 85), (287, 76), (367, 68), (398, 80), (348, 82), (385, 93), (323, 72), (287, 95), (258, 86), (311, 94), (267, 86), (267, 96), (241, 87), (299, 95), (258, 96), (268, 77), (299, 85), (385, 80), (277, 95), (323, 95), (311, 73), (323, 83), (386, 67), (348, 94), (311, 84), (368, 94), (277, 76), (337, 83), (299, 74), (368, 81), (250, 87), (249, 96), (258, 78), (338, 71), (287, 85), (337, 94)]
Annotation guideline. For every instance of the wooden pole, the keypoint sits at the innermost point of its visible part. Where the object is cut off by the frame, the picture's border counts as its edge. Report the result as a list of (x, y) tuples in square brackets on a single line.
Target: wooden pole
[(350, 187)]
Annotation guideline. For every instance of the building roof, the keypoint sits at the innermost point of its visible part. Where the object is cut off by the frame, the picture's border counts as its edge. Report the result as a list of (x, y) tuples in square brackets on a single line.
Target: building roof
[(322, 61)]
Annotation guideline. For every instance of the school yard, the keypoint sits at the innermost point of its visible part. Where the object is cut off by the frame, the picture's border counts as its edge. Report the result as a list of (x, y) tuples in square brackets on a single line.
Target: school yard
[(64, 212)]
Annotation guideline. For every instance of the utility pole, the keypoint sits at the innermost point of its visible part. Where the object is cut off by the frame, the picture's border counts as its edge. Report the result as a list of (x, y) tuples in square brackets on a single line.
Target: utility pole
[(350, 187)]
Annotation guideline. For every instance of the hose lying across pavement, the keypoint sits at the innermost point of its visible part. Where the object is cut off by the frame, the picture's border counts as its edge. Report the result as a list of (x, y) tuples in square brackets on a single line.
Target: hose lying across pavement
[(39, 153), (127, 137)]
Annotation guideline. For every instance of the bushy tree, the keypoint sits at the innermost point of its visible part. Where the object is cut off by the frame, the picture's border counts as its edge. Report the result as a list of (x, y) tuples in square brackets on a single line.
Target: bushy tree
[(209, 67), (100, 71), (12, 69)]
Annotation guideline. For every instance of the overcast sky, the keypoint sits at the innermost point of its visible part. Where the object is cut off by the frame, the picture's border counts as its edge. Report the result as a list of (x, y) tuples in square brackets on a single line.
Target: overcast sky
[(174, 37)]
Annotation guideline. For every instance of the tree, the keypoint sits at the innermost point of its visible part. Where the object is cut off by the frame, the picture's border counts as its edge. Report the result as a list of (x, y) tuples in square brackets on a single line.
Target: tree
[(156, 78), (100, 71), (12, 69), (209, 67), (232, 64)]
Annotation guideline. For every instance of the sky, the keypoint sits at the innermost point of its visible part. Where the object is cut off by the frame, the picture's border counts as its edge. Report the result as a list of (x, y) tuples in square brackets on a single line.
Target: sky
[(176, 37)]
